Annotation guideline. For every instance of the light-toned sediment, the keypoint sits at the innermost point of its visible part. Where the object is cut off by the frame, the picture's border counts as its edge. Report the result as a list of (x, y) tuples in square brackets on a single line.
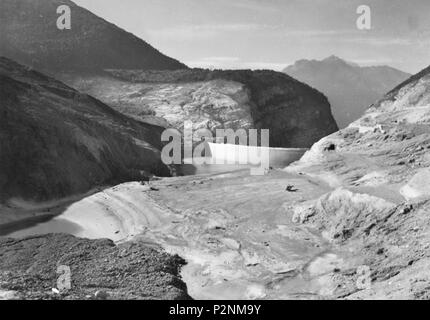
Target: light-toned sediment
[(233, 239)]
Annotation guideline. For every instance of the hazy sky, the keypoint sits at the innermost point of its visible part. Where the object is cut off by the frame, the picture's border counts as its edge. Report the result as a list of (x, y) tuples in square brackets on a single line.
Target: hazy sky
[(275, 33)]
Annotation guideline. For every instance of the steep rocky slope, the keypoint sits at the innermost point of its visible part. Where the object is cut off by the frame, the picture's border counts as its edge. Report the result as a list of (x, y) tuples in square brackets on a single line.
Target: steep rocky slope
[(55, 141), (349, 87), (99, 269), (296, 114), (379, 211), (29, 35)]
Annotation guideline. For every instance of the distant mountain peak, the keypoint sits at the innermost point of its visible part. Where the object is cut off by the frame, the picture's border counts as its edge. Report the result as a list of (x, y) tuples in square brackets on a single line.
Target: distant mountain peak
[(333, 58), (350, 88), (330, 60)]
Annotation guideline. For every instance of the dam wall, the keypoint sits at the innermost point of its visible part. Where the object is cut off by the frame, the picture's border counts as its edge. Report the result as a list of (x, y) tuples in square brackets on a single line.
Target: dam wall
[(251, 155)]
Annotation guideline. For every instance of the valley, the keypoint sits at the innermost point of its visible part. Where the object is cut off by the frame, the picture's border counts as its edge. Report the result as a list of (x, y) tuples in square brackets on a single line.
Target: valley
[(340, 213)]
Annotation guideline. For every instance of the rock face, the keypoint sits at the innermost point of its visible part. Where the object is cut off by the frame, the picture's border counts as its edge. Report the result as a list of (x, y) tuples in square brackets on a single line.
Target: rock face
[(349, 88), (379, 210), (99, 269), (295, 114), (29, 35), (55, 141)]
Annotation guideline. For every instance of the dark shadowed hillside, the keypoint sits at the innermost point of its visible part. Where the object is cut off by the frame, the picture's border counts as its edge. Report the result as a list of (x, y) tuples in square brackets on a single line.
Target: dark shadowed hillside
[(29, 35), (55, 141), (349, 87)]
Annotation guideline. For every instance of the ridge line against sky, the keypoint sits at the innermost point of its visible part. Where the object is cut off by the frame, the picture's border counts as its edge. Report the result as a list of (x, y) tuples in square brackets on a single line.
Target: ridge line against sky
[(273, 34)]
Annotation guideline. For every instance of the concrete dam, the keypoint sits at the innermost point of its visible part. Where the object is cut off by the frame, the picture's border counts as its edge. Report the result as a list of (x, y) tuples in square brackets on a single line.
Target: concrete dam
[(231, 157)]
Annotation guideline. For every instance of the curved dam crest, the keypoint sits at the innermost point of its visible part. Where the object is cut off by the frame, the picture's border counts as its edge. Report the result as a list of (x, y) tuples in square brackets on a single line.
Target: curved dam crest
[(252, 155)]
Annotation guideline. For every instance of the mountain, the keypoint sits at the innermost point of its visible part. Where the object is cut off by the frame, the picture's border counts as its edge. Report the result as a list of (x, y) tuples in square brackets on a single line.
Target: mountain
[(349, 87), (29, 35), (379, 168), (98, 58), (56, 142), (295, 114)]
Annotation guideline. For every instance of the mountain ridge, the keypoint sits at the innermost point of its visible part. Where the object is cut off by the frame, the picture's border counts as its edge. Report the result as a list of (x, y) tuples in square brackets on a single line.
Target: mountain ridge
[(30, 36)]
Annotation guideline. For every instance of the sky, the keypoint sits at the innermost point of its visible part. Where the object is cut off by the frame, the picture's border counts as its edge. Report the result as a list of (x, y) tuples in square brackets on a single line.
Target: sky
[(272, 34)]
